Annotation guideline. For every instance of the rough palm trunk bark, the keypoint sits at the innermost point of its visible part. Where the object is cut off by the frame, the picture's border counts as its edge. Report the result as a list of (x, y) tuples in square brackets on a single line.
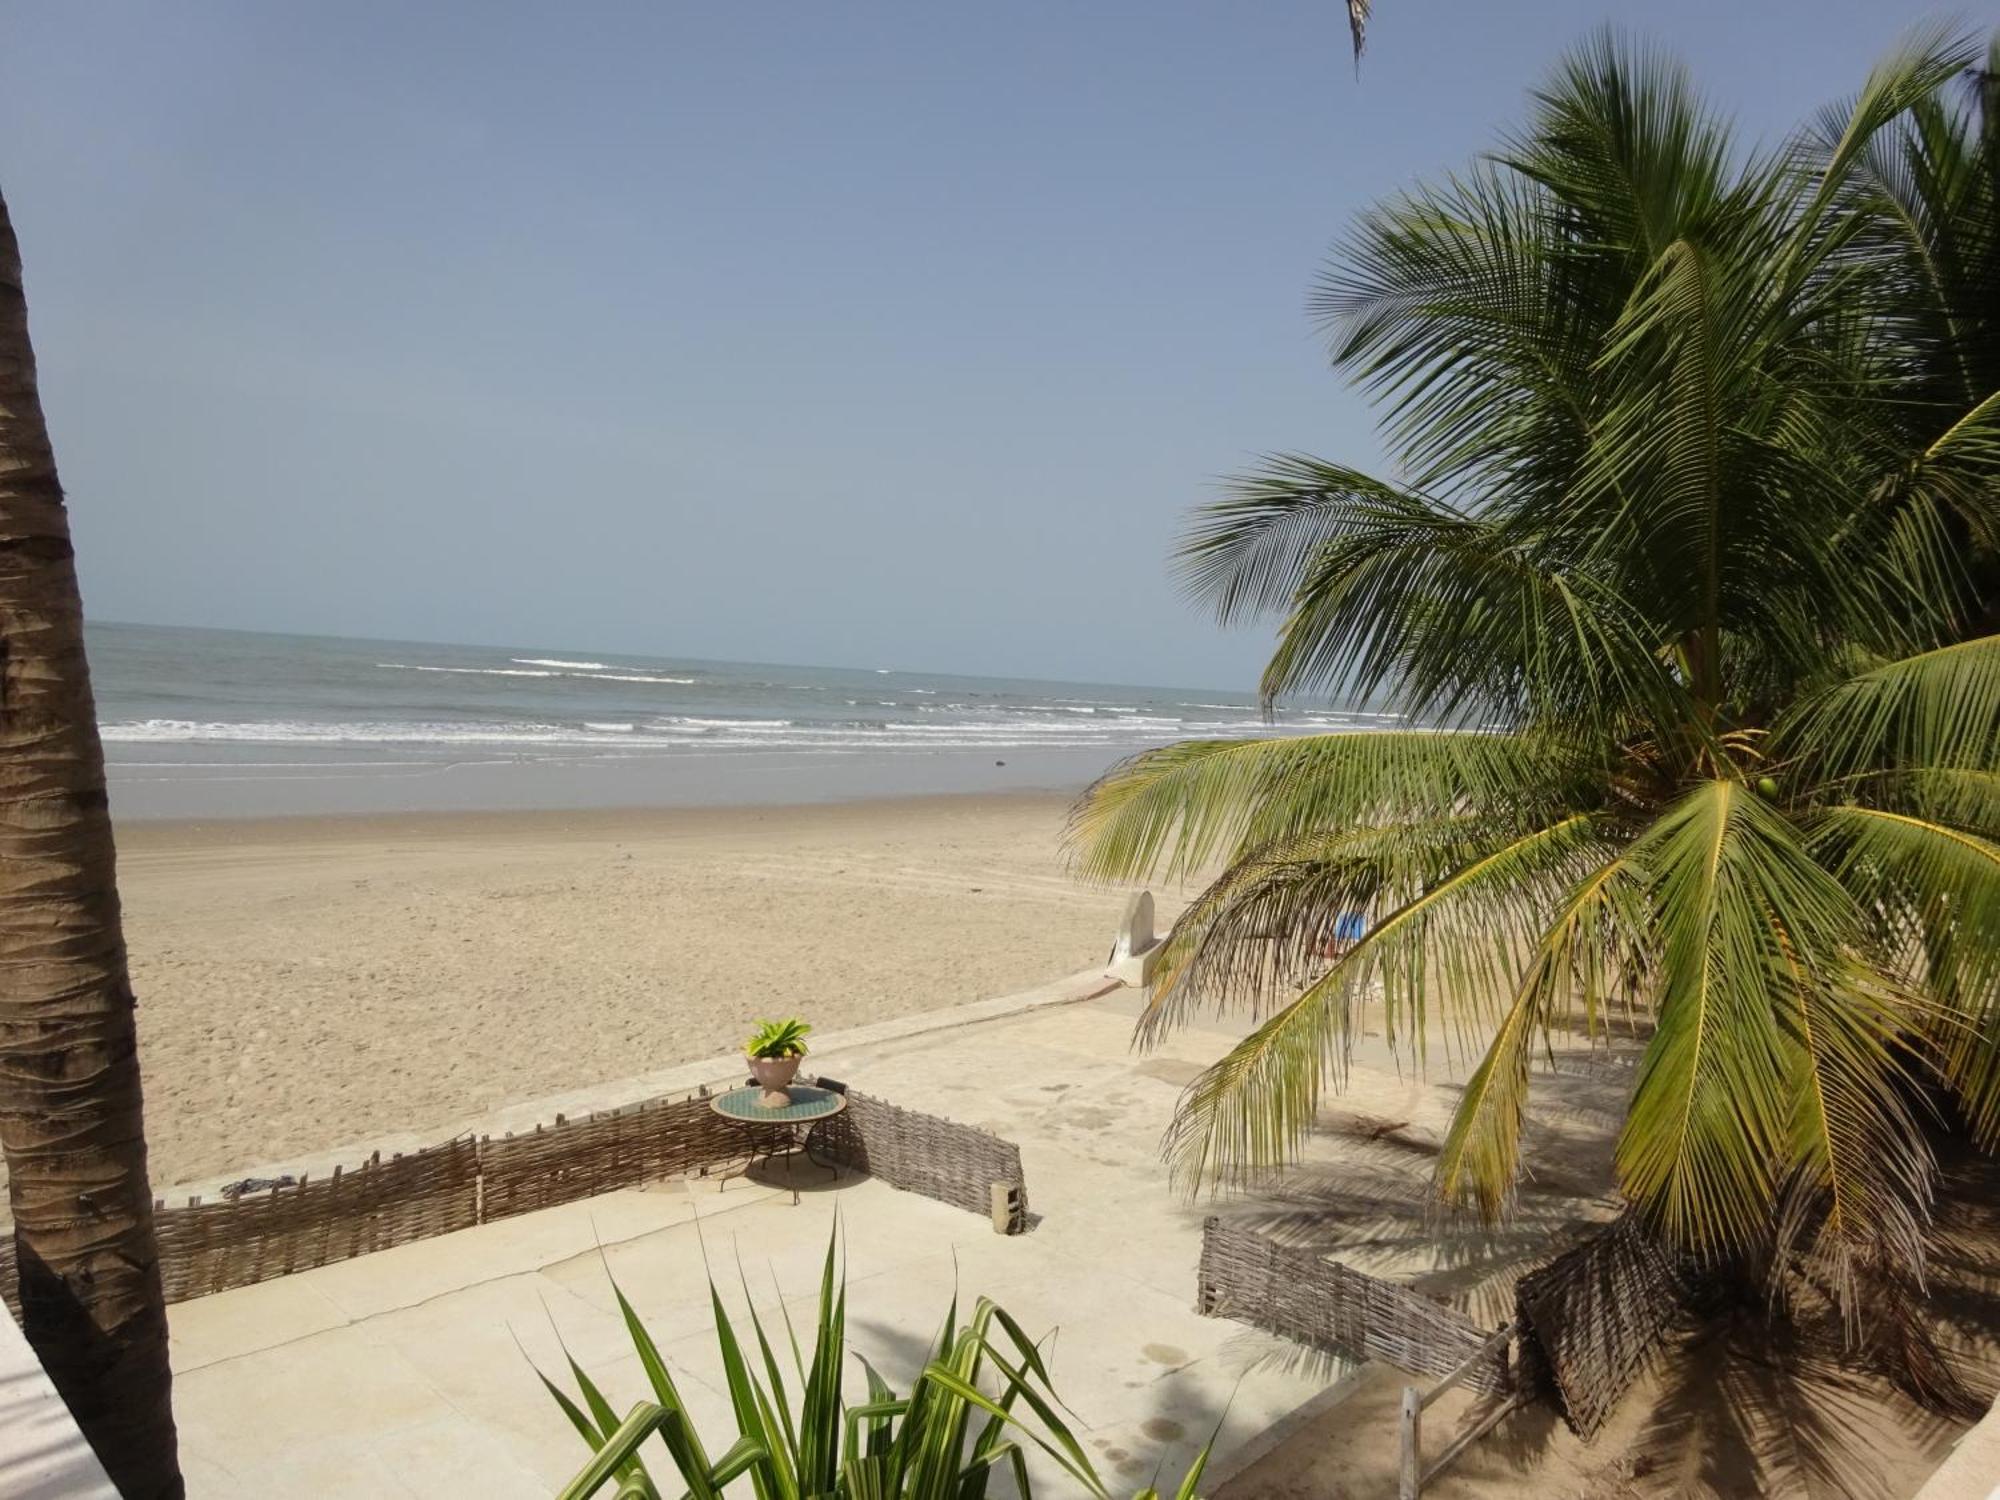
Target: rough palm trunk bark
[(70, 1119)]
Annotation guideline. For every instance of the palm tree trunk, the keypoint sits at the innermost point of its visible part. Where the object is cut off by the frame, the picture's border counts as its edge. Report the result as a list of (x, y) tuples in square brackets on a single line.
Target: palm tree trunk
[(70, 1107)]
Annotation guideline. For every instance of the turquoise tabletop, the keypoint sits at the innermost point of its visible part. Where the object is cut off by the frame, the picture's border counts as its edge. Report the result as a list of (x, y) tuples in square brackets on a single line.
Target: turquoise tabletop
[(808, 1103)]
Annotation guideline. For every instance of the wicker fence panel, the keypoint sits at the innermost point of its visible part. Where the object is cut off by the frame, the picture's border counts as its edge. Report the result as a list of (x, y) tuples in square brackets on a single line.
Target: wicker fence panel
[(623, 1148), (1592, 1317), (920, 1153), (210, 1247), (1296, 1293)]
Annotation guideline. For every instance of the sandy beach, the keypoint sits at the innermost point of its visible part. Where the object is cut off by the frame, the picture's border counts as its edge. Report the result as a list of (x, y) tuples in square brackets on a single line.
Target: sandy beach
[(305, 982)]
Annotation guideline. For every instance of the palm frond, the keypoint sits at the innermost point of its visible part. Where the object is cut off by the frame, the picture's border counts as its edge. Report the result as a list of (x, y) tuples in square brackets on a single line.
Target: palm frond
[(1932, 892), (1247, 1113), (1260, 928), (1964, 797), (1914, 71), (1357, 26), (1249, 552), (1939, 709), (1174, 810), (1456, 618), (1476, 328), (1862, 1170), (1594, 944), (1621, 134), (1742, 911)]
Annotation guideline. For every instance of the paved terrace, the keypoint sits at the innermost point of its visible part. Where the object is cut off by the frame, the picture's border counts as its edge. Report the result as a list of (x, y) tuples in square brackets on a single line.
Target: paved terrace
[(42, 1454), (407, 1371)]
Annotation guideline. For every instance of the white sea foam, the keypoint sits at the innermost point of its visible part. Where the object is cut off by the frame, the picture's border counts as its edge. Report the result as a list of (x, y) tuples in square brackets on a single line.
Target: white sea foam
[(583, 672), (995, 727), (402, 666), (690, 722), (1095, 708), (556, 661), (358, 732)]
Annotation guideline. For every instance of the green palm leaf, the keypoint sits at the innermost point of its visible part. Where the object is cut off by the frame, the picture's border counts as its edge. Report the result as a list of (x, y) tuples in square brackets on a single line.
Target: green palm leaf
[(1593, 946), (1861, 1188), (1933, 891), (1172, 811), (1247, 1113), (1744, 917), (1262, 925), (1937, 709)]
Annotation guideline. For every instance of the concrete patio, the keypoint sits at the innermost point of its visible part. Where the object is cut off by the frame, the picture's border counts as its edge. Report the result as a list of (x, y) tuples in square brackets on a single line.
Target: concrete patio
[(408, 1371), (43, 1456)]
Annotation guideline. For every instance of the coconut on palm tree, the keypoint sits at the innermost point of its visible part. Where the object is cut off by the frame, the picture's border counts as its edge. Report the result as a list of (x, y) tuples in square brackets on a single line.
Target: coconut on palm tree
[(1681, 593)]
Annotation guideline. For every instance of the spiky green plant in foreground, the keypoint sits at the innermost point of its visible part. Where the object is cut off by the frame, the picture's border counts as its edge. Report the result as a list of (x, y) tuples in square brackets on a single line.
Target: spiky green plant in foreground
[(1690, 572), (984, 1390)]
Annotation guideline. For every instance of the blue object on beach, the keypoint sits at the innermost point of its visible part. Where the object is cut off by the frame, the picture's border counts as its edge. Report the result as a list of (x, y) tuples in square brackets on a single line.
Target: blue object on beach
[(1349, 927)]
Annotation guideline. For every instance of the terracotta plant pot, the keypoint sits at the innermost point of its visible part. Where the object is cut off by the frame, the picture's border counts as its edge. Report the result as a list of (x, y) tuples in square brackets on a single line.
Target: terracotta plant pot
[(775, 1074)]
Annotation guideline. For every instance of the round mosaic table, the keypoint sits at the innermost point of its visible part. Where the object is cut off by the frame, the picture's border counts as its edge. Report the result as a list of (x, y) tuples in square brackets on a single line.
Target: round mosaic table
[(808, 1109)]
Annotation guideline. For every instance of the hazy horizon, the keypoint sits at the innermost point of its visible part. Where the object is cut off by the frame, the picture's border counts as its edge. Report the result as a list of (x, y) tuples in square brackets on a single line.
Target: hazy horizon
[(844, 335), (913, 666)]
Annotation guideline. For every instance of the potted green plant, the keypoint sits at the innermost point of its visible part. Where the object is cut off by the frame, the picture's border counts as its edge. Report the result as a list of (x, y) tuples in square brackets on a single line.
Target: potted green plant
[(774, 1052)]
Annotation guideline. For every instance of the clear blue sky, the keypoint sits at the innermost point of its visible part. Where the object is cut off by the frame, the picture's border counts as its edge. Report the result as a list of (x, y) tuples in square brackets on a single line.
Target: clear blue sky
[(841, 333)]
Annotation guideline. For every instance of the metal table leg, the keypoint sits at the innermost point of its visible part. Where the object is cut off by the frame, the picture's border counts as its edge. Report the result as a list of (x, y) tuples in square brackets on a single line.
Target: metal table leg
[(807, 1146)]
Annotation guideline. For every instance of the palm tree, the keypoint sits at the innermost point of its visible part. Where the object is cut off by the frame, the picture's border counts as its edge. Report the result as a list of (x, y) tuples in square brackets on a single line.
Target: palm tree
[(70, 1109), (1682, 579)]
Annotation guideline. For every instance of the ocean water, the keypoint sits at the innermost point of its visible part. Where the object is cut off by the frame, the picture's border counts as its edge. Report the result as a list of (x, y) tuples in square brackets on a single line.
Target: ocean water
[(213, 722)]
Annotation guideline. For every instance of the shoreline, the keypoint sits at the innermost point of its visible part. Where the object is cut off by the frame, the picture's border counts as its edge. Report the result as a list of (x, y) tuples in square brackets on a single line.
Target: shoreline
[(150, 792), (593, 821)]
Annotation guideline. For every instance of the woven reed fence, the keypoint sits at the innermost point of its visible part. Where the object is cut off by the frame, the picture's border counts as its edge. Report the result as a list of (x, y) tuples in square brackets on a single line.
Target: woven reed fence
[(1300, 1295), (205, 1247), (616, 1149), (212, 1247), (1592, 1317), (922, 1153)]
